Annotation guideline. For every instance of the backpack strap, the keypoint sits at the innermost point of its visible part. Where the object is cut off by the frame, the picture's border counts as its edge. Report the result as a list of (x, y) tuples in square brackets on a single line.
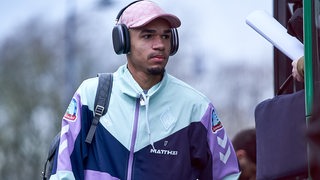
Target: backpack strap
[(101, 102)]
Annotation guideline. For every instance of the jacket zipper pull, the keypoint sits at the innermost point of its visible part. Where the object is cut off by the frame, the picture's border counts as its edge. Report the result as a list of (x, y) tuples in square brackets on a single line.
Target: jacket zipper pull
[(142, 100)]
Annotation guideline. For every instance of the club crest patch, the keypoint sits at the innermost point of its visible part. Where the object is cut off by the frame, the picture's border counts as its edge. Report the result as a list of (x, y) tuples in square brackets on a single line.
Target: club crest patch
[(216, 124), (71, 113)]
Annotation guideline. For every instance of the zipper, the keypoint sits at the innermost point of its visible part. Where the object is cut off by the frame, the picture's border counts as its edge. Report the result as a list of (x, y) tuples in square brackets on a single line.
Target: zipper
[(133, 139)]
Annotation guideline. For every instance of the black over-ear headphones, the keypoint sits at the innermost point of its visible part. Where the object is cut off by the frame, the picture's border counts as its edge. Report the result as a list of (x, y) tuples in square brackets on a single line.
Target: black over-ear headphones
[(121, 37)]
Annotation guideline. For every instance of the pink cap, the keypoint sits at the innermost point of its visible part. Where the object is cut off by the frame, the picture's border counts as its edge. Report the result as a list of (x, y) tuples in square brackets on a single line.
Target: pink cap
[(143, 12)]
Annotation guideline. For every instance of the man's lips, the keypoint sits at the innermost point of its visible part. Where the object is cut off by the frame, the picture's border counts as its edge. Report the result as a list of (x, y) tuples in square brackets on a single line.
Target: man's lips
[(157, 58)]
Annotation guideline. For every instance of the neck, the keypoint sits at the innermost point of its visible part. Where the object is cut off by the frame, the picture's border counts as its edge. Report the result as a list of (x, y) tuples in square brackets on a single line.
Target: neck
[(145, 80)]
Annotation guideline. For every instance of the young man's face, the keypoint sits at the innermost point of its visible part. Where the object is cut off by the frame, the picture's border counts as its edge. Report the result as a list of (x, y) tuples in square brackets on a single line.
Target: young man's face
[(150, 48)]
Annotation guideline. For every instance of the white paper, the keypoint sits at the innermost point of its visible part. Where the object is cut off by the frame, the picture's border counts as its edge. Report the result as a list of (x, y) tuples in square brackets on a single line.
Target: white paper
[(268, 27)]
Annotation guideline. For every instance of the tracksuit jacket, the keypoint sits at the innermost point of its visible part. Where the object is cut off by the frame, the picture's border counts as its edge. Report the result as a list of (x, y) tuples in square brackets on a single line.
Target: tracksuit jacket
[(169, 132)]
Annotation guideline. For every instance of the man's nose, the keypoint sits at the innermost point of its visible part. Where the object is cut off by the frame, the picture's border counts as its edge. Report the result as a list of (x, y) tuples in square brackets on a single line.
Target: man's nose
[(159, 43)]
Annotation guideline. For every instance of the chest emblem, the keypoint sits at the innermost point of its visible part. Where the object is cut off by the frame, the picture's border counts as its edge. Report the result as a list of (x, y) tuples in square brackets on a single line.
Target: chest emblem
[(167, 119)]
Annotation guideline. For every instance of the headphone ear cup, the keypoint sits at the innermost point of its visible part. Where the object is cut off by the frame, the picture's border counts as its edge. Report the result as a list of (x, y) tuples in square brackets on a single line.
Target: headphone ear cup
[(174, 41), (121, 39)]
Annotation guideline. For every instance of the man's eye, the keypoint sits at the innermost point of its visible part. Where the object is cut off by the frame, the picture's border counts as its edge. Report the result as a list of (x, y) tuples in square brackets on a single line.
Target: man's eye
[(165, 36), (146, 36)]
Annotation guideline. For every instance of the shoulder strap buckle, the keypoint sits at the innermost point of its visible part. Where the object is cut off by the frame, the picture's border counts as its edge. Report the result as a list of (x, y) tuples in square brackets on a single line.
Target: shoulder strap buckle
[(99, 110)]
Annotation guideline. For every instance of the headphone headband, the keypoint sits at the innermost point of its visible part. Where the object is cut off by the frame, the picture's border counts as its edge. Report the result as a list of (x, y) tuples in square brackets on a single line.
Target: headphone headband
[(123, 9)]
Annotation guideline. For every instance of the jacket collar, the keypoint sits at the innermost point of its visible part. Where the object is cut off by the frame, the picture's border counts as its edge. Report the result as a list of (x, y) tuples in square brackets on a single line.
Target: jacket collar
[(131, 88)]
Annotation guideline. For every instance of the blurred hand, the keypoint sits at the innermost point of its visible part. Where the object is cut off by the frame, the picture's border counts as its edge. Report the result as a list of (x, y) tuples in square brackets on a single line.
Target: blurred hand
[(295, 72)]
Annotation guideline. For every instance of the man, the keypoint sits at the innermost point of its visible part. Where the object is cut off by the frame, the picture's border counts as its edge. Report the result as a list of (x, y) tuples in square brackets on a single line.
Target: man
[(156, 127), (245, 146)]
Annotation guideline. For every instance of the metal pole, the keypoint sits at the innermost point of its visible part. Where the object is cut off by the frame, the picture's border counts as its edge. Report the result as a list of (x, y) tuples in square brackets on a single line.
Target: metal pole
[(308, 77)]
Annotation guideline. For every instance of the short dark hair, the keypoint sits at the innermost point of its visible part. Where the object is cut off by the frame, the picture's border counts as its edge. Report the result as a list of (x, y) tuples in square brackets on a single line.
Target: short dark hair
[(246, 140)]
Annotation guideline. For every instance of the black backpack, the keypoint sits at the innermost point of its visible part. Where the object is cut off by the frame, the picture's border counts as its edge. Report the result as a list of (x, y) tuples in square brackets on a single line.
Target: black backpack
[(101, 104)]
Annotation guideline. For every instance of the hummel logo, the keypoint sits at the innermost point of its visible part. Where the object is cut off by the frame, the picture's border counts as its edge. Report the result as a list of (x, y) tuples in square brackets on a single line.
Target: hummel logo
[(225, 157), (64, 143), (222, 142)]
